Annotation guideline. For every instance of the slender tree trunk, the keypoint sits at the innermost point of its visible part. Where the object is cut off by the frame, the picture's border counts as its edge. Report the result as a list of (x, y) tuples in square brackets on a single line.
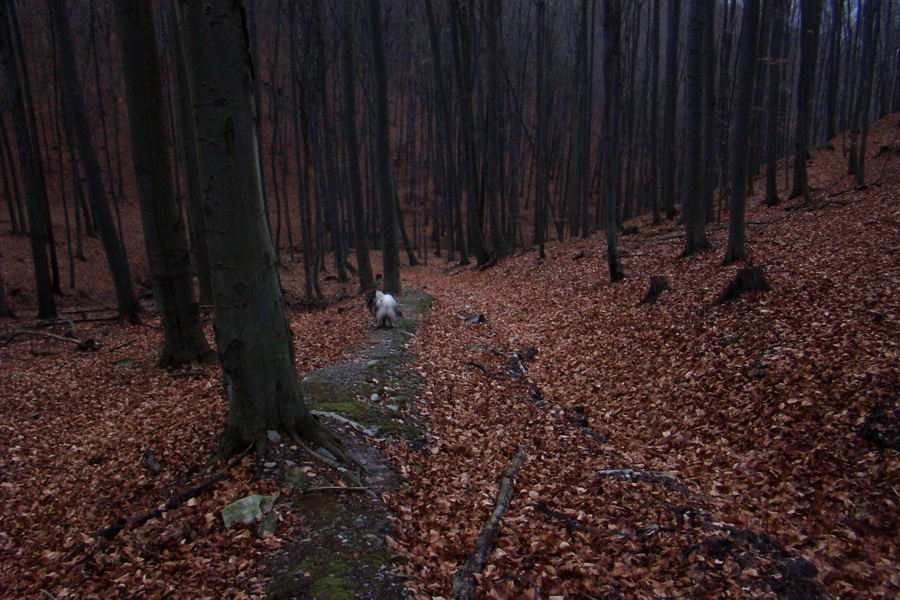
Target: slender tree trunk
[(810, 15), (167, 249), (709, 107), (654, 51), (495, 125), (73, 99), (695, 239), (351, 139), (871, 27), (390, 249), (833, 65), (612, 78), (541, 150), (10, 184), (452, 198), (742, 117), (778, 17), (461, 28), (670, 110), (187, 139), (29, 156), (252, 334)]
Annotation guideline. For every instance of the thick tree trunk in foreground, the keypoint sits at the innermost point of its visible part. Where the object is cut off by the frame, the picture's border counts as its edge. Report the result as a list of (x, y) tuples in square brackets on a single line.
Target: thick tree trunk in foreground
[(252, 333), (167, 249), (76, 112)]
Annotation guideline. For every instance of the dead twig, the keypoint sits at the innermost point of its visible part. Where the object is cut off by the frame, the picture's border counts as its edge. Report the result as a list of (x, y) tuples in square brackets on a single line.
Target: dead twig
[(112, 530), (464, 580), (337, 488), (122, 345), (663, 477)]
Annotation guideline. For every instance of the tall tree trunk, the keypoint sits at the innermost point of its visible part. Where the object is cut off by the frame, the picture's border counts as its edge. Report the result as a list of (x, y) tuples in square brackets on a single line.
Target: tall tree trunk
[(742, 116), (390, 249), (252, 333), (709, 108), (351, 139), (671, 109), (461, 16), (29, 156), (810, 16), (451, 187), (695, 239), (612, 168), (654, 183), (833, 65), (871, 27), (187, 139), (777, 14), (73, 99), (495, 125), (542, 127), (167, 249)]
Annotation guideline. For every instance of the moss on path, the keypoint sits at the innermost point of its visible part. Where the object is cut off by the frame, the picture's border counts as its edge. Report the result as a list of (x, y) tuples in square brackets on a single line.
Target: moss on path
[(343, 555)]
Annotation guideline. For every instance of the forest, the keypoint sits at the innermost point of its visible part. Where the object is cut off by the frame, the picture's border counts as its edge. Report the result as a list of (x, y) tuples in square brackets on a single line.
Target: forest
[(644, 256)]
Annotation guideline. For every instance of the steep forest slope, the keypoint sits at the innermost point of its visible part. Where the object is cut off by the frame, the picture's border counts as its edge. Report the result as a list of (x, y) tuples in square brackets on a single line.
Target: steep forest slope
[(676, 449), (779, 412)]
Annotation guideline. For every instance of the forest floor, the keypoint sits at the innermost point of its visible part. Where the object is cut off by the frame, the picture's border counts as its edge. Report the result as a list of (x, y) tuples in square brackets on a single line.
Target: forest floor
[(679, 449)]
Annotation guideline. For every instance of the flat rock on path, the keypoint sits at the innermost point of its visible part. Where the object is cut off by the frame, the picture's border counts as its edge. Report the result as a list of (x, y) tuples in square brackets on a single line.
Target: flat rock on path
[(341, 553)]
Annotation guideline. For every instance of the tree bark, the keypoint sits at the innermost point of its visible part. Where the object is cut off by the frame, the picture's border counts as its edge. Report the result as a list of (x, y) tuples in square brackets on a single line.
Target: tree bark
[(390, 249), (76, 111), (187, 140), (778, 17), (29, 158), (351, 139), (810, 15), (736, 249), (252, 333), (167, 249), (670, 110), (612, 167), (695, 239)]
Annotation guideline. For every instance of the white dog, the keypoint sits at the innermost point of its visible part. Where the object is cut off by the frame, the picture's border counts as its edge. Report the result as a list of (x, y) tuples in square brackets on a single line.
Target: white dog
[(383, 307)]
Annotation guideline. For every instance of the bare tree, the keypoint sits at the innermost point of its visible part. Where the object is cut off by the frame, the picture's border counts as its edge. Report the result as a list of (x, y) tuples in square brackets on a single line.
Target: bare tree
[(695, 239), (390, 250), (76, 113), (612, 168), (810, 16), (167, 248), (252, 333), (29, 155), (351, 139), (742, 115)]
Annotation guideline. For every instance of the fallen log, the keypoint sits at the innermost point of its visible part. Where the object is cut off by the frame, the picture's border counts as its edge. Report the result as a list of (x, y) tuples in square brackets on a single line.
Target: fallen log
[(464, 580)]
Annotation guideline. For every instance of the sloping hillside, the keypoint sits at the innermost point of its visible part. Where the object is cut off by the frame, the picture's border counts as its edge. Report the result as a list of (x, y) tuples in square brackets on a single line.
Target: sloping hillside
[(675, 449), (773, 411)]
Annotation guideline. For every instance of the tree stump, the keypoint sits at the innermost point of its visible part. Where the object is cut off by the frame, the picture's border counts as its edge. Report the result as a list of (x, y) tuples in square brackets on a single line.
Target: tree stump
[(749, 279), (658, 284)]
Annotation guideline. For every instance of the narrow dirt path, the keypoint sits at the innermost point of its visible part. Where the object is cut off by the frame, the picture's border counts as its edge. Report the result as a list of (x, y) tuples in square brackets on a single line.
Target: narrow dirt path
[(341, 552)]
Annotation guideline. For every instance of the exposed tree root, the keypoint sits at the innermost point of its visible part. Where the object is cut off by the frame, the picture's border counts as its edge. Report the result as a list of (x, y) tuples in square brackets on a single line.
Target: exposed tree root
[(667, 479), (464, 580)]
